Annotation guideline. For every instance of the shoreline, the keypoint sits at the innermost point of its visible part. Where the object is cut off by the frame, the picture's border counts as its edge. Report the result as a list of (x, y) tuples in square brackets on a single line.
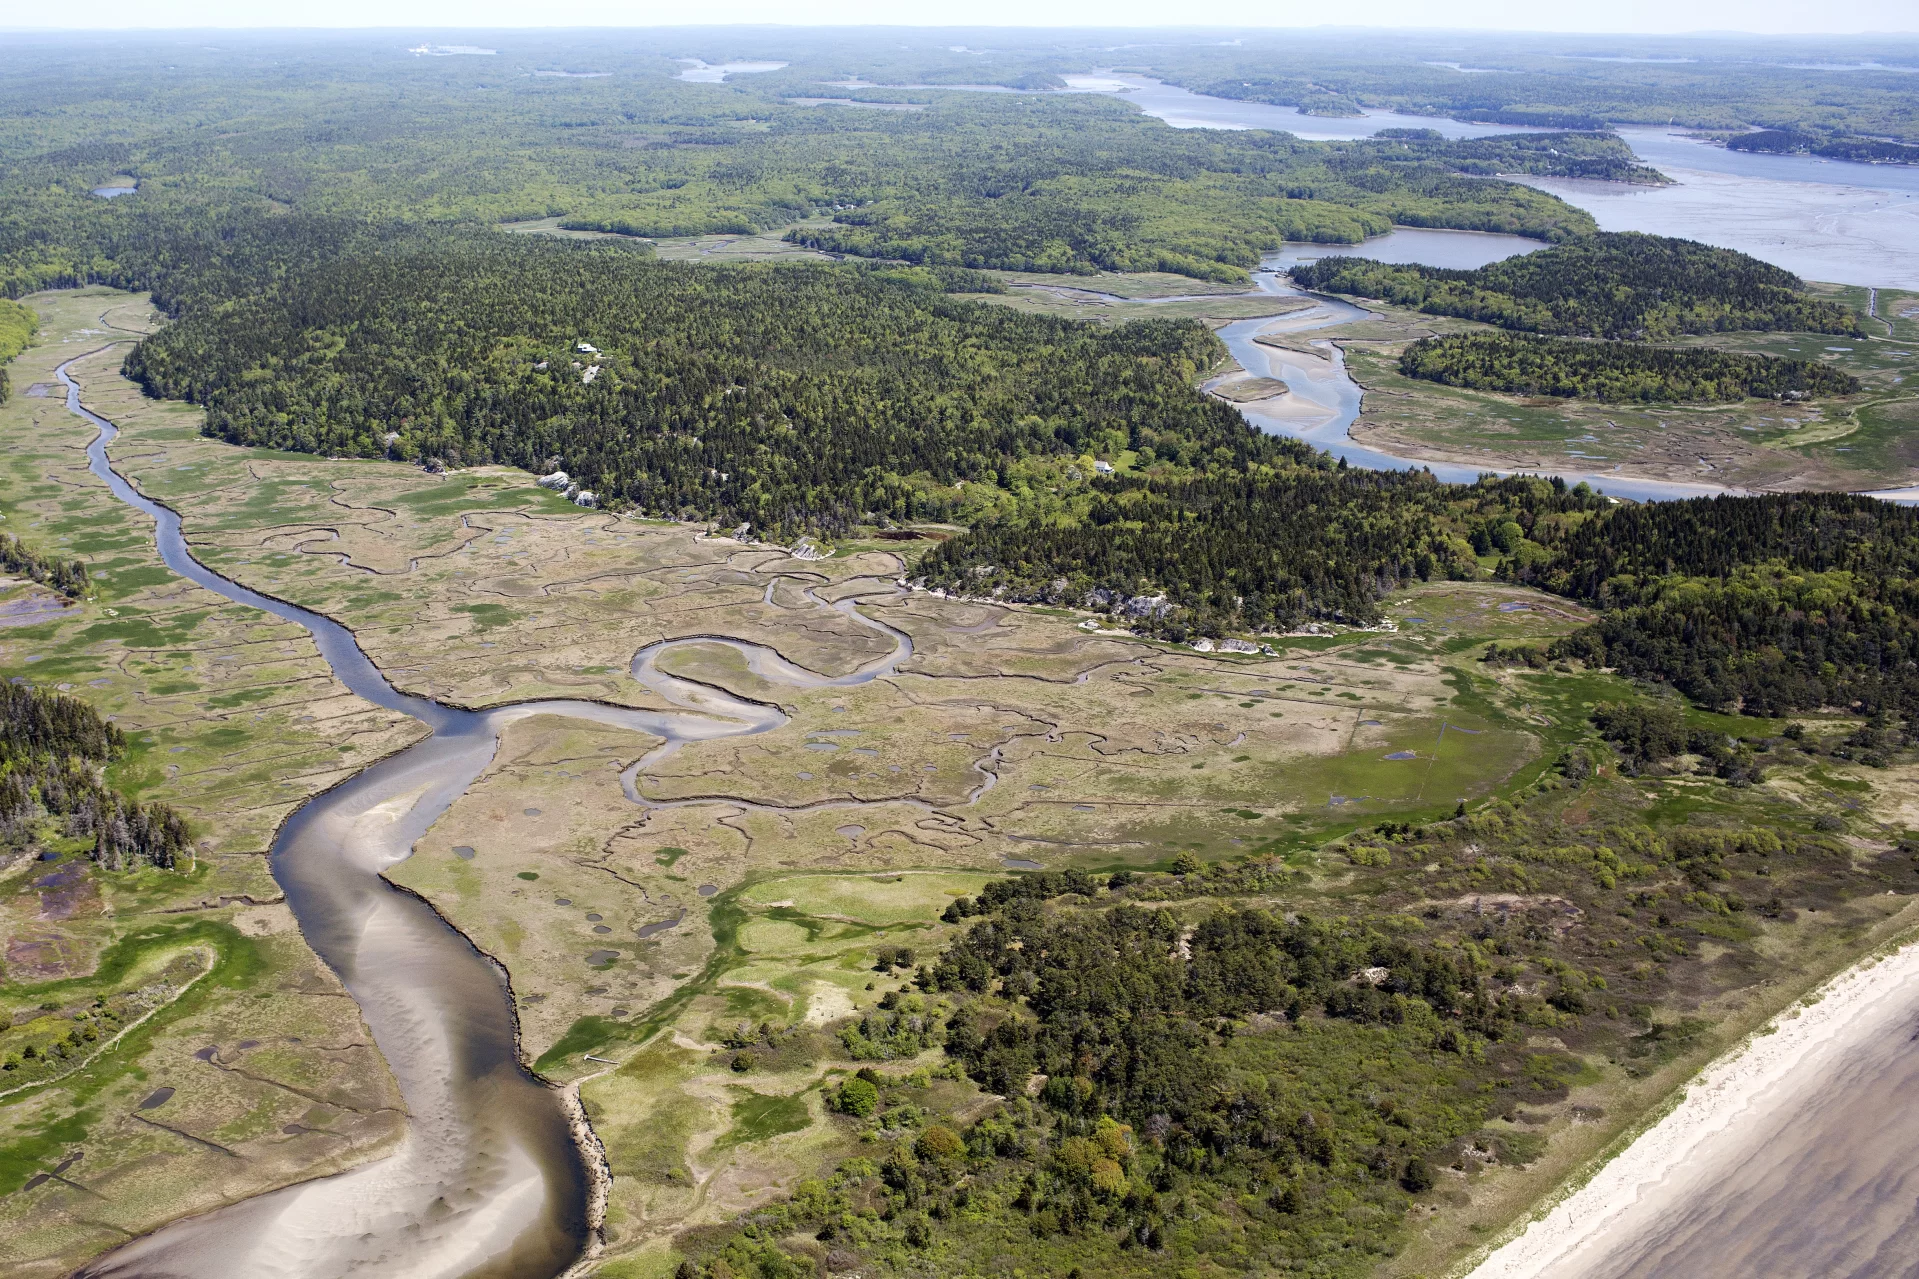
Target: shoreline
[(1709, 1120)]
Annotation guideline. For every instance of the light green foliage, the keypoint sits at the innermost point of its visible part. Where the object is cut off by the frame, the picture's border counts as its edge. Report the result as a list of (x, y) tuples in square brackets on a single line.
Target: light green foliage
[(857, 1098), (17, 327)]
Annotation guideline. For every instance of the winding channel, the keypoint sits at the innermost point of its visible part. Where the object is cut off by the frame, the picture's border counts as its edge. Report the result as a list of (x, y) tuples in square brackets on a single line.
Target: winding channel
[(1323, 401), (490, 1181)]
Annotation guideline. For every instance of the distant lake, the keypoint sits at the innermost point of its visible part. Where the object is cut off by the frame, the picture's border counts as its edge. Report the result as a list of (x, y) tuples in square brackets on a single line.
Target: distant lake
[(698, 72), (1662, 147), (1184, 109), (1833, 220), (1458, 250), (109, 193)]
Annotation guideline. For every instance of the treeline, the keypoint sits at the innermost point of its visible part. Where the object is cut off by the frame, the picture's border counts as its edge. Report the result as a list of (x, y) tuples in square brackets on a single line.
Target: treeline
[(67, 576), (1789, 142), (1615, 371), (1767, 604), (52, 748), (787, 397), (1609, 285), (1301, 542), (18, 324), (1599, 157)]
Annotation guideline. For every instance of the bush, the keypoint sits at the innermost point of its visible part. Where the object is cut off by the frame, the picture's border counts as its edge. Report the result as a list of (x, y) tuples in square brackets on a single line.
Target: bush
[(887, 958), (857, 1098), (939, 1144)]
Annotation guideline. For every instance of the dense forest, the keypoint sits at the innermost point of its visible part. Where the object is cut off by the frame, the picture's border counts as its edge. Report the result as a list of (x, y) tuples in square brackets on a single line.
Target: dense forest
[(1775, 603), (1211, 1083), (1304, 541), (785, 397), (1609, 285), (1616, 371), (1789, 142), (1301, 541), (52, 748)]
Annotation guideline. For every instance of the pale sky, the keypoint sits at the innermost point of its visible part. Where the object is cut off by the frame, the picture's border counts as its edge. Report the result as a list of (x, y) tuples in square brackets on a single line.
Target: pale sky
[(1828, 17)]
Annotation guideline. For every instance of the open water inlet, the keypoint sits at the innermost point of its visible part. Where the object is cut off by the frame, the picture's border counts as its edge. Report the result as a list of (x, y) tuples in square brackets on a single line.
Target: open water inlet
[(489, 1181)]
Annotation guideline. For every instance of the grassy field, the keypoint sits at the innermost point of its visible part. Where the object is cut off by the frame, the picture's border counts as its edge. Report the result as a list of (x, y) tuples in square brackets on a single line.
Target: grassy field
[(798, 854), (766, 246)]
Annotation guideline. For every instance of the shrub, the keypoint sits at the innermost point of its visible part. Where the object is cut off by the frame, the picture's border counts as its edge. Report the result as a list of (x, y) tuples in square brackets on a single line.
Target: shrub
[(857, 1098), (938, 1144)]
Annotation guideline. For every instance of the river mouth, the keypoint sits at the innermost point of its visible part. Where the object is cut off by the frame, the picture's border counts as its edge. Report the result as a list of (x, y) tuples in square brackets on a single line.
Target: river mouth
[(490, 1181)]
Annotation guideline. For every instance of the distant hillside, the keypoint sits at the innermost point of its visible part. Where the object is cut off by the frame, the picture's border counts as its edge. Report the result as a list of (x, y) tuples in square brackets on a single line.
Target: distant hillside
[(1611, 285), (1791, 142), (1615, 371)]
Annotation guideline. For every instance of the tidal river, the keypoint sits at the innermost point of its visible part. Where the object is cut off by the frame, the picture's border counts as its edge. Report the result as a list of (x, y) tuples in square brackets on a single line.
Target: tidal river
[(492, 1179), (1322, 401)]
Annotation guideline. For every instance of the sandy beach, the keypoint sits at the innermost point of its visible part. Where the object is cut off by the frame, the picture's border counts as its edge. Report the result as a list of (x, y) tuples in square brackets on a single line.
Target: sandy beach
[(1791, 1156)]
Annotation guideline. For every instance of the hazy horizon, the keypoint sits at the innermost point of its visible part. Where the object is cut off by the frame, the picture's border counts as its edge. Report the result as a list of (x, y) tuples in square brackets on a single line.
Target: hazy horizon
[(1703, 19)]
